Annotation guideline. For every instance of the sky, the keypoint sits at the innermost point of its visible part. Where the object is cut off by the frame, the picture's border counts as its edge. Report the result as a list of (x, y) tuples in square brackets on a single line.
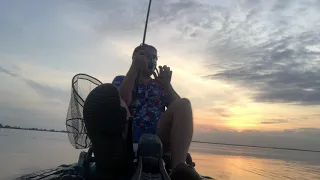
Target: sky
[(249, 67)]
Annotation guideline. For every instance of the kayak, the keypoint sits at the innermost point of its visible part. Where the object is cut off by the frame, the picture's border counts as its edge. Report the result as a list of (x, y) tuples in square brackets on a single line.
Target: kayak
[(55, 173), (70, 171)]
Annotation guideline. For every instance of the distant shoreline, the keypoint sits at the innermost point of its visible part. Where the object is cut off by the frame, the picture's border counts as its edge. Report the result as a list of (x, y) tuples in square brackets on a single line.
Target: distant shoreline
[(31, 129), (194, 141)]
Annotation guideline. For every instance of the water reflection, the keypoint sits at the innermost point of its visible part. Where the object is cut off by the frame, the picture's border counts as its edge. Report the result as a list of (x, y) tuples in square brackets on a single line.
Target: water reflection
[(24, 152), (286, 155), (228, 167)]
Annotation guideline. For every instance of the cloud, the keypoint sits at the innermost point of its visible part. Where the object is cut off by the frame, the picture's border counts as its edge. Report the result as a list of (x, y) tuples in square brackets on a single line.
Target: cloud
[(275, 121), (31, 103), (222, 112), (280, 76), (5, 71), (205, 128), (279, 59), (46, 91)]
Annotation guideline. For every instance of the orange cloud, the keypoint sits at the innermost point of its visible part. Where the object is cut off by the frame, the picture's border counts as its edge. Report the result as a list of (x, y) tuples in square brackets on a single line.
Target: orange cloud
[(223, 112), (205, 128)]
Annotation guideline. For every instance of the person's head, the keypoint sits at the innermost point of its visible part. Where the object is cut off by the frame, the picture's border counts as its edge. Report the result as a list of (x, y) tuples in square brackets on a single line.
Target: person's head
[(150, 52)]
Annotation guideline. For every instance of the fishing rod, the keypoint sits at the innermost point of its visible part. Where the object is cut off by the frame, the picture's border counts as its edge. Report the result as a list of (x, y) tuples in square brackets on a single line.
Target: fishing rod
[(146, 24), (142, 44)]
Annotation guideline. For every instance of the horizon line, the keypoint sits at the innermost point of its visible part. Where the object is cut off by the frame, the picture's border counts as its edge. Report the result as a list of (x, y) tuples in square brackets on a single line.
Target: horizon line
[(265, 147)]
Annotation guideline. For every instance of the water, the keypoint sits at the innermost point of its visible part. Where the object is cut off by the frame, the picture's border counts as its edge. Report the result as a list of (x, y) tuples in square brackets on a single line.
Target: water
[(23, 152)]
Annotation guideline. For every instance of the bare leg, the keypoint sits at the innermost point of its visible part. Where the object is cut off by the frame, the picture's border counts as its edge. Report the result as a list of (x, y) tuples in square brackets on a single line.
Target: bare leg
[(178, 121)]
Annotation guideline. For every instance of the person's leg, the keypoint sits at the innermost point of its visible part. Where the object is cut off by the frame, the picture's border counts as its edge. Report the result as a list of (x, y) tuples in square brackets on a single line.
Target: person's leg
[(175, 130), (106, 123)]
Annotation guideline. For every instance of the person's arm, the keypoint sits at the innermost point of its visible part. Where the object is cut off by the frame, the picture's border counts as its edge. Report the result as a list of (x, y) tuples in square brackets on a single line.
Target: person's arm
[(172, 95), (127, 85)]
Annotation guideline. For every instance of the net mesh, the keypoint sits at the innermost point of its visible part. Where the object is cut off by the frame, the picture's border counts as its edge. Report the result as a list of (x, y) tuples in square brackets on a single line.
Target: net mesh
[(82, 85)]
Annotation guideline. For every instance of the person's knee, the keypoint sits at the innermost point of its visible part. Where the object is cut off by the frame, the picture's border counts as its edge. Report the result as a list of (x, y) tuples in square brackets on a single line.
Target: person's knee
[(183, 103)]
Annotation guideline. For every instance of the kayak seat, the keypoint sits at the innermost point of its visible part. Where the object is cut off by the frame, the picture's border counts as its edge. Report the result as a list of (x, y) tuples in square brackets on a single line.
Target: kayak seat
[(166, 157)]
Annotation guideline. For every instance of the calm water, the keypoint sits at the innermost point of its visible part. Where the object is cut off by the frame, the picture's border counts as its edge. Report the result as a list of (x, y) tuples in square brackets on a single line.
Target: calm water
[(28, 151)]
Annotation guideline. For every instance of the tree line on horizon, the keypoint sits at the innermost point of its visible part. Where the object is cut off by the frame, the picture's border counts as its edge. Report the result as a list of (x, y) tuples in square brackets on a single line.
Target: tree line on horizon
[(31, 129)]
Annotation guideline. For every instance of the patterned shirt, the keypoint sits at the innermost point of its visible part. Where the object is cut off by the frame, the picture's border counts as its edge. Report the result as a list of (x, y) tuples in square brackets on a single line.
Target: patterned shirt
[(148, 108)]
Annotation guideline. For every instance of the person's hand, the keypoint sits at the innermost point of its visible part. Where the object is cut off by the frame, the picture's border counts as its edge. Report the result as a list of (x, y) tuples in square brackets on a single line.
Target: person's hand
[(140, 61), (163, 76)]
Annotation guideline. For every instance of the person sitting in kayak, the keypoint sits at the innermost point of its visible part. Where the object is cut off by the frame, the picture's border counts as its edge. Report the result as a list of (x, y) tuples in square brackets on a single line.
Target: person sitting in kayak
[(155, 107)]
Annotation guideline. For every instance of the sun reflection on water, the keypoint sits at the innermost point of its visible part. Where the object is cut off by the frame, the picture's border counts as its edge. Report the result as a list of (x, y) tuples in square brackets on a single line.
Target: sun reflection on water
[(228, 167)]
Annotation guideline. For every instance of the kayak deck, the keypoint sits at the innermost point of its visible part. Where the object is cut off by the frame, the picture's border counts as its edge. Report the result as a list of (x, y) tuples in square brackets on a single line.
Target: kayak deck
[(50, 174)]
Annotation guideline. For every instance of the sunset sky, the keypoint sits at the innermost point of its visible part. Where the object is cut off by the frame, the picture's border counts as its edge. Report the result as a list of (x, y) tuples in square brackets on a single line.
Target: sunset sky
[(246, 65)]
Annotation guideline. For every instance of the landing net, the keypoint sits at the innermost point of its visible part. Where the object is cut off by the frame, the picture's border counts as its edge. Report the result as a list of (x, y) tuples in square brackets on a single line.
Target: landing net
[(82, 85)]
